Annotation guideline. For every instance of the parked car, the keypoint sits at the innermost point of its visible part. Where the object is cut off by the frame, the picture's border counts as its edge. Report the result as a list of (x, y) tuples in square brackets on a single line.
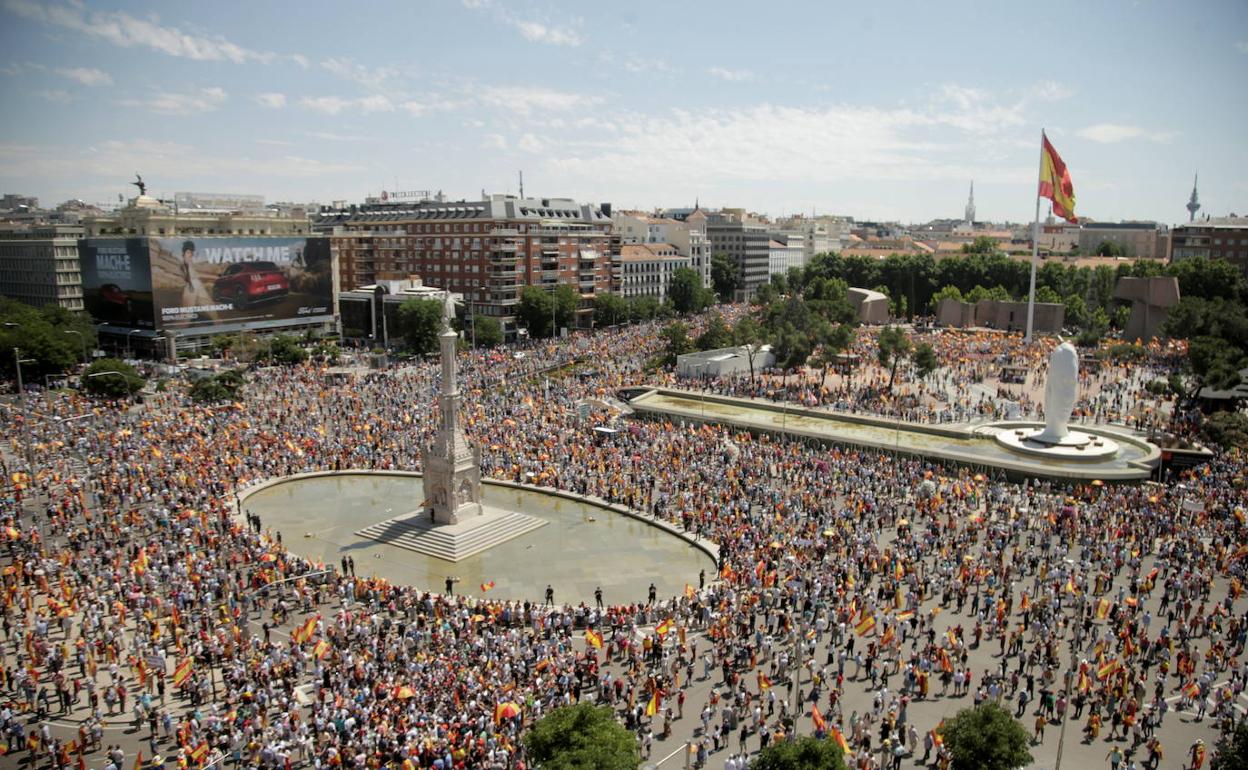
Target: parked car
[(246, 283)]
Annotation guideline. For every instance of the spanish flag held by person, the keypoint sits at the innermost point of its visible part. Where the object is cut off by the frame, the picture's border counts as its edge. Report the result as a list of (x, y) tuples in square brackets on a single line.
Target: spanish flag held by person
[(654, 705), (1055, 181)]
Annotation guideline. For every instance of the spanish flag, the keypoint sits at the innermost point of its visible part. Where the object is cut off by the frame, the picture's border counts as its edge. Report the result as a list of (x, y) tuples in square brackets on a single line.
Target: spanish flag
[(1107, 670), (689, 591), (839, 738), (1055, 181), (321, 649), (1102, 609), (817, 718), (182, 672), (652, 707), (663, 628), (487, 586), (864, 626), (764, 684), (593, 639), (304, 632), (200, 753)]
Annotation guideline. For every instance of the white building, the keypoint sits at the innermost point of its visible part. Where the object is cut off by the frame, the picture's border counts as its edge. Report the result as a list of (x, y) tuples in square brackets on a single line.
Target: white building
[(645, 269), (687, 236), (784, 252)]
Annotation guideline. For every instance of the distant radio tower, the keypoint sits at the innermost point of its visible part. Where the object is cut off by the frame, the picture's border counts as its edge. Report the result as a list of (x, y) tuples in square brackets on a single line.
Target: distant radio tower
[(1193, 203)]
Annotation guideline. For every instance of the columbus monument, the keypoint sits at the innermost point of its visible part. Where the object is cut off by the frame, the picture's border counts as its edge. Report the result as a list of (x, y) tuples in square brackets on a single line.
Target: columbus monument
[(452, 523)]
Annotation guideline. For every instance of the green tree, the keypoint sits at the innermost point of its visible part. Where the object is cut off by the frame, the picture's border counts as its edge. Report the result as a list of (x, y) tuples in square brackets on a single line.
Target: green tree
[(834, 341), (749, 335), (643, 309), (420, 321), (1109, 249), (1076, 311), (924, 360), (43, 335), (893, 346), (1231, 752), (581, 737), (805, 753), (725, 278), (716, 335), (677, 336), (1209, 279), (946, 292), (223, 386), (285, 349), (536, 310), (610, 309), (981, 245), (487, 331), (685, 290), (112, 377), (986, 738), (1048, 295), (567, 299)]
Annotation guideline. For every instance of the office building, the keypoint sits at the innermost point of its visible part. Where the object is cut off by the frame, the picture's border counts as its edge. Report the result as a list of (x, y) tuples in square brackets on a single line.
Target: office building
[(1215, 238), (39, 265)]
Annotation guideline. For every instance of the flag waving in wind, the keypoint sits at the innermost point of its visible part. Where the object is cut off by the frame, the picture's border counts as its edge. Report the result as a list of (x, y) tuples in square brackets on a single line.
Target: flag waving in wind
[(1055, 181)]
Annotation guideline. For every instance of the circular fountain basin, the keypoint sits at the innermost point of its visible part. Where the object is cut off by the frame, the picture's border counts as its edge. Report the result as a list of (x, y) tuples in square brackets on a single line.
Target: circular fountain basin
[(1075, 445)]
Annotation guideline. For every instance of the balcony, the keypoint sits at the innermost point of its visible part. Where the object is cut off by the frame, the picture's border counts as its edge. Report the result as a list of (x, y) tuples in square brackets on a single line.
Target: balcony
[(504, 232)]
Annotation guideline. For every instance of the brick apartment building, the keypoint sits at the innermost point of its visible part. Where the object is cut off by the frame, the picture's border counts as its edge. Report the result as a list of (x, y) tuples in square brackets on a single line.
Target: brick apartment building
[(1215, 238), (486, 250)]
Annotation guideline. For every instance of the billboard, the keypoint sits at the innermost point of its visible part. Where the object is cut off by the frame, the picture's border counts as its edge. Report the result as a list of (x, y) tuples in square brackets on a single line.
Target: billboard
[(117, 281), (189, 282)]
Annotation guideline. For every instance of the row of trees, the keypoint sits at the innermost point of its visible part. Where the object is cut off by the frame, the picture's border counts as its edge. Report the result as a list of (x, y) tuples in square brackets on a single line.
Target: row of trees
[(984, 737), (51, 339)]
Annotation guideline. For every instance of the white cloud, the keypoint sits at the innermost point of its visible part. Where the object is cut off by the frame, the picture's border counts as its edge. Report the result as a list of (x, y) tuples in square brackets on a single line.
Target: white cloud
[(374, 103), (22, 67), (57, 96), (273, 101), (1112, 133), (1051, 91), (330, 105), (536, 32), (524, 100), (374, 79), (732, 76), (974, 110), (122, 29), (192, 102), (495, 142), (531, 143), (329, 136), (87, 76), (1242, 46)]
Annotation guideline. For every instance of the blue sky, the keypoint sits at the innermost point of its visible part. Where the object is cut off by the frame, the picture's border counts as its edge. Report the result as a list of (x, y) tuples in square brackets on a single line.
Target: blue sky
[(873, 109)]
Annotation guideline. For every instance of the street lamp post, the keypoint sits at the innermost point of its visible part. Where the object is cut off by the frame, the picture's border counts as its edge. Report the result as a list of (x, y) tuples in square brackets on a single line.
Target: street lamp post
[(132, 331), (21, 399), (82, 337)]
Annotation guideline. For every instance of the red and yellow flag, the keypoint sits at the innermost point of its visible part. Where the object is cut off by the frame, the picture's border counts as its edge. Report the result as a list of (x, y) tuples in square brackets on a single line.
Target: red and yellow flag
[(764, 684), (182, 672), (817, 718), (1055, 181), (487, 586), (839, 738), (1102, 609), (304, 632), (593, 639), (865, 625), (663, 628), (1107, 670), (321, 649), (652, 707)]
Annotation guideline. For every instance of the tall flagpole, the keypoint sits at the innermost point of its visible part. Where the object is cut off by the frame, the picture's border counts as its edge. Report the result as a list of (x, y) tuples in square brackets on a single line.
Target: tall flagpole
[(1035, 246)]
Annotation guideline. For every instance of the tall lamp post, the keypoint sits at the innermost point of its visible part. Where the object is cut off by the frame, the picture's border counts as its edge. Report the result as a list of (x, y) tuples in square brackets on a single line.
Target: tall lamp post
[(81, 337), (21, 399), (132, 331)]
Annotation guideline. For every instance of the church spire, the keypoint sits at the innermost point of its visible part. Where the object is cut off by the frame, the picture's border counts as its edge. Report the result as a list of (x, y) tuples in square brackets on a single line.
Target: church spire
[(1193, 203), (969, 214)]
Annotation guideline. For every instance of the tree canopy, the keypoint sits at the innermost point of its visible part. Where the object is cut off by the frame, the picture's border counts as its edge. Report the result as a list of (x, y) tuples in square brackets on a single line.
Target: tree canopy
[(724, 276), (52, 336), (805, 753), (420, 321), (986, 737), (579, 737), (112, 378)]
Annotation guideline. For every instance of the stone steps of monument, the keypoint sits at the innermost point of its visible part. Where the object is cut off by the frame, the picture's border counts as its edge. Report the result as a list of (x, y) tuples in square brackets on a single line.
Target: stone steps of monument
[(416, 534)]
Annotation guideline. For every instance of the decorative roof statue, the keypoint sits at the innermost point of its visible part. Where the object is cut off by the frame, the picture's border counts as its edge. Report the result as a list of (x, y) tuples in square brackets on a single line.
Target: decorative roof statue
[(140, 184)]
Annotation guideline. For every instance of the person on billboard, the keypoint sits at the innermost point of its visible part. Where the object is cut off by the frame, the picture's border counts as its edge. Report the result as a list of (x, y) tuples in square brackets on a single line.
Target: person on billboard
[(193, 291)]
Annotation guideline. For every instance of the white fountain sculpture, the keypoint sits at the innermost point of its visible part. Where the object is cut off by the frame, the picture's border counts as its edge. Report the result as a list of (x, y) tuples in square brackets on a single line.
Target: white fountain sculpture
[(1056, 439)]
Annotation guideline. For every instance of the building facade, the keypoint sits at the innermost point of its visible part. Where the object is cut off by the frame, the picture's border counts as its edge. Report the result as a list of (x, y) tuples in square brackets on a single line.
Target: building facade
[(748, 246), (1221, 238), (39, 265), (487, 250), (645, 269), (1143, 240), (687, 236)]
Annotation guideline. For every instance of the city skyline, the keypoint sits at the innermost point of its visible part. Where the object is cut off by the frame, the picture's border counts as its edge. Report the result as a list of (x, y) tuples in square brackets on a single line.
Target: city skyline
[(885, 112)]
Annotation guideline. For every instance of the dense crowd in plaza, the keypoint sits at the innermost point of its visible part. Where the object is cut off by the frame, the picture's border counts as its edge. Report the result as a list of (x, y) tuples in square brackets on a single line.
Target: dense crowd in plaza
[(135, 592)]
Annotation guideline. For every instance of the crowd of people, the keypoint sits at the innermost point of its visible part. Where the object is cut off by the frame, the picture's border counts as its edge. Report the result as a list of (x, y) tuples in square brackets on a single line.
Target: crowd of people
[(136, 592)]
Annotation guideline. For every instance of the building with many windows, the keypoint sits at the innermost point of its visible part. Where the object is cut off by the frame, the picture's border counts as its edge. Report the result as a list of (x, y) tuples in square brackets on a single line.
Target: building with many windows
[(645, 269), (1142, 240), (747, 244), (687, 235), (39, 265), (487, 250), (1216, 238)]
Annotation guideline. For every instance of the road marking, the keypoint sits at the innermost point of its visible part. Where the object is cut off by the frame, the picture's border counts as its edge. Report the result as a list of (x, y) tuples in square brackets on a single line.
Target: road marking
[(683, 747)]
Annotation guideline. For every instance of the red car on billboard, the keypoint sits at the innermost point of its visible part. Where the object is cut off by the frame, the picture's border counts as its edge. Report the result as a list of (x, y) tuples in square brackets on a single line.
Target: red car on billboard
[(246, 283)]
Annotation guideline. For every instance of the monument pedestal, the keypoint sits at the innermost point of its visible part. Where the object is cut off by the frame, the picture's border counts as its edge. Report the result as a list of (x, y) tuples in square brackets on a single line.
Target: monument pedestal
[(417, 532)]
